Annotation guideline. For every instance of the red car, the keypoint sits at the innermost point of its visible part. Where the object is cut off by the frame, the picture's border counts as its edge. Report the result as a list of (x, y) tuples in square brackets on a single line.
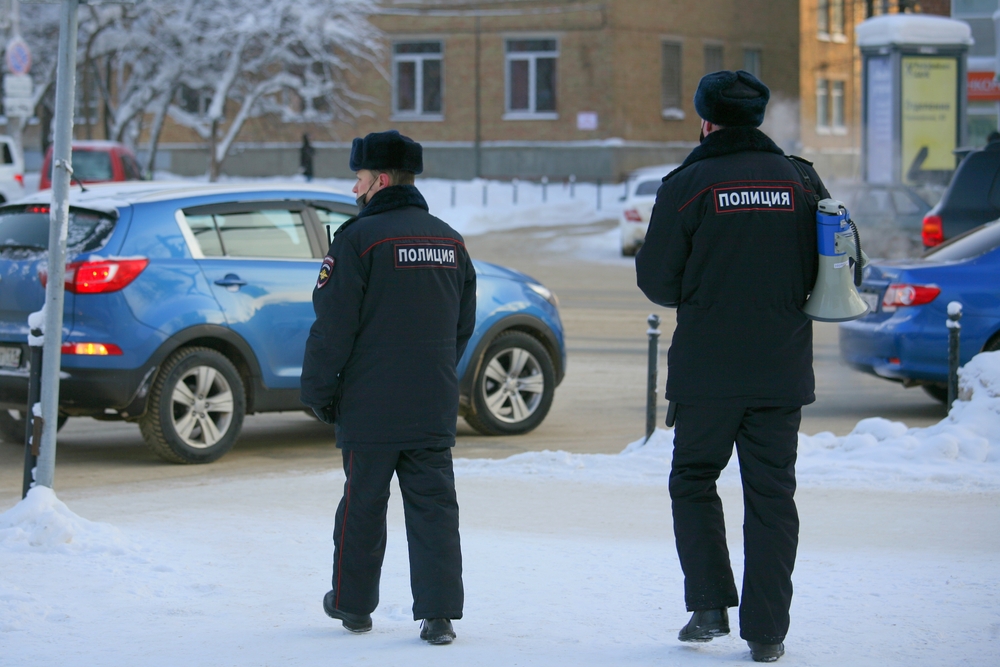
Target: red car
[(96, 162)]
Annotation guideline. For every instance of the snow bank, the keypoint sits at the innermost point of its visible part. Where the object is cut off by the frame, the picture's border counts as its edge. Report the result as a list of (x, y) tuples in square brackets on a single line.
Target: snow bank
[(42, 523), (962, 452)]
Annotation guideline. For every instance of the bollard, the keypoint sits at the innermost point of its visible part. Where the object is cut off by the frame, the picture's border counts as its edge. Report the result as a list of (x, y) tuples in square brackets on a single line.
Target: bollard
[(32, 435), (514, 183), (598, 194), (572, 186), (545, 184), (453, 195), (653, 375), (954, 334), (484, 194)]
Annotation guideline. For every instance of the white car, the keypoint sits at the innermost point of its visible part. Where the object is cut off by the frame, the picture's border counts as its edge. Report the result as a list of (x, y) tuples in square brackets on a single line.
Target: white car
[(638, 205), (11, 171)]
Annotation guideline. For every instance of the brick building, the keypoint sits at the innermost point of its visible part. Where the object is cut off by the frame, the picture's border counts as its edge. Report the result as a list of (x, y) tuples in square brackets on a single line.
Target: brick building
[(532, 88)]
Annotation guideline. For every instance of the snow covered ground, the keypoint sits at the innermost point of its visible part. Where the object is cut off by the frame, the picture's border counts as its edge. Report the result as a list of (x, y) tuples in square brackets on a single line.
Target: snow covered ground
[(568, 561)]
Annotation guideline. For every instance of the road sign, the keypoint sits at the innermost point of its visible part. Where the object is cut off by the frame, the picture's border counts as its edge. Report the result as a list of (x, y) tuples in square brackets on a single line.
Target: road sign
[(18, 56), (15, 85), (18, 107)]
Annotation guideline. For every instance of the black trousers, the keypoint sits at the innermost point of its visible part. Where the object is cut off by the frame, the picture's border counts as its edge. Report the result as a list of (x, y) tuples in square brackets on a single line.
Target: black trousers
[(430, 506), (766, 440)]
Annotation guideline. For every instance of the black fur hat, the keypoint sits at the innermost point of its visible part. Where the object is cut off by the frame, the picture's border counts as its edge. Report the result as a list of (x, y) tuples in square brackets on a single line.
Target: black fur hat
[(387, 150), (731, 99)]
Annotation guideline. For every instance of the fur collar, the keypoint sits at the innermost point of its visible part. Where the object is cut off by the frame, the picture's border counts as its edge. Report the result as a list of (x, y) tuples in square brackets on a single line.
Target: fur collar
[(727, 141), (392, 197)]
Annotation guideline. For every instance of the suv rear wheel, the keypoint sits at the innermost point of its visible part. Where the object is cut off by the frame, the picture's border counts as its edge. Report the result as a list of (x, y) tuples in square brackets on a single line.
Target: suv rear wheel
[(513, 390), (12, 426), (196, 407)]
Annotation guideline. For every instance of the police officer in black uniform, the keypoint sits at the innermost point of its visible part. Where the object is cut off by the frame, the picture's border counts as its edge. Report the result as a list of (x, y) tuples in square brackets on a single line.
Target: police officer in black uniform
[(395, 306), (732, 245)]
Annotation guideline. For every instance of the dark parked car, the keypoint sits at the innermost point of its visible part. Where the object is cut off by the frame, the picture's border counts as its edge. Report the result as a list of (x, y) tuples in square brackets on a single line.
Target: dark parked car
[(188, 306), (972, 197), (904, 337), (889, 217)]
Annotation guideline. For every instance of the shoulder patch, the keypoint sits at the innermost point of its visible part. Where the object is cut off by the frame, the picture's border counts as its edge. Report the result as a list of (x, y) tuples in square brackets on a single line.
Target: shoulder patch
[(325, 271), (754, 198), (425, 255), (799, 159)]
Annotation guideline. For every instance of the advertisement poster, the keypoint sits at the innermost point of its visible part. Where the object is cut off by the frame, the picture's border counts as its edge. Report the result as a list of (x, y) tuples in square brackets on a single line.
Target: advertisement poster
[(879, 134), (929, 116)]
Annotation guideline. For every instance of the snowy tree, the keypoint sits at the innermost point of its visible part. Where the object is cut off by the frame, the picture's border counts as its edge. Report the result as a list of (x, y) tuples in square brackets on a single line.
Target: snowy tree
[(289, 58)]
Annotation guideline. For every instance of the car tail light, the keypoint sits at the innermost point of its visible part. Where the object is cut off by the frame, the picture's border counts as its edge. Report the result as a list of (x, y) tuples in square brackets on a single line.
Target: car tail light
[(100, 276), (37, 208), (908, 295), (632, 215), (20, 179), (933, 231), (92, 349)]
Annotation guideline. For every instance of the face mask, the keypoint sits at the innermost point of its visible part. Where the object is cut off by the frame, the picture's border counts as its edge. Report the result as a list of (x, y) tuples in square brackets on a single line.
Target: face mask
[(361, 198)]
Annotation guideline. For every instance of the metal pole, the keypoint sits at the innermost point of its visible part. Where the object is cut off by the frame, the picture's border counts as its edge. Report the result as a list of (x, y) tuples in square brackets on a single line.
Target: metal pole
[(545, 185), (954, 334), (58, 228), (572, 186), (598, 194), (652, 380), (31, 434), (514, 183)]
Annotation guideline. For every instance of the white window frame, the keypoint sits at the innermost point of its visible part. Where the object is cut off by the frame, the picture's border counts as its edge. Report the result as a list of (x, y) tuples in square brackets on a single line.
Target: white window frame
[(532, 58), (838, 104), (823, 106), (417, 114)]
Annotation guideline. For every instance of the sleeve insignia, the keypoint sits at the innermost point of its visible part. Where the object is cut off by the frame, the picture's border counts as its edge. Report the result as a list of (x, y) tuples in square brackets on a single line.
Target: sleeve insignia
[(325, 272)]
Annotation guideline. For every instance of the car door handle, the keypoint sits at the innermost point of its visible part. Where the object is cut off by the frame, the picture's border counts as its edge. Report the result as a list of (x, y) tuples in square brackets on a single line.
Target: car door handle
[(231, 282)]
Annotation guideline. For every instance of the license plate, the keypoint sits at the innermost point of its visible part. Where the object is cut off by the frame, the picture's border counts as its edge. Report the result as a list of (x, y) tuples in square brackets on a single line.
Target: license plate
[(10, 357), (871, 299)]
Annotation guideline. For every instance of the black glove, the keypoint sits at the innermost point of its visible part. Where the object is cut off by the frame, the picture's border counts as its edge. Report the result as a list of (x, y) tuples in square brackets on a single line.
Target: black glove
[(325, 414)]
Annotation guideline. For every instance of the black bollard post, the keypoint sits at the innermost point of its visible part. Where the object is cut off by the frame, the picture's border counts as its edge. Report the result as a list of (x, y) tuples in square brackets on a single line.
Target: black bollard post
[(653, 375), (954, 335), (32, 435)]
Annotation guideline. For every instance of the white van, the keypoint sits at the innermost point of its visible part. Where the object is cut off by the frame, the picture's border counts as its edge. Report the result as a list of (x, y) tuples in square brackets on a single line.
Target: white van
[(11, 171)]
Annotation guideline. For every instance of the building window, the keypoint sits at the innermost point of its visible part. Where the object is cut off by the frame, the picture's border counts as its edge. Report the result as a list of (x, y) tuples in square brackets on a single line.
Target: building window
[(973, 8), (713, 58), (191, 100), (670, 90), (823, 18), (751, 61), (837, 104), (823, 106), (531, 78), (837, 17), (416, 68)]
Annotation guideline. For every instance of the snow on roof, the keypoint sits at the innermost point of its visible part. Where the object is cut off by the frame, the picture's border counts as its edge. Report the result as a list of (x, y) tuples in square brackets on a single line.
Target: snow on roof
[(913, 29)]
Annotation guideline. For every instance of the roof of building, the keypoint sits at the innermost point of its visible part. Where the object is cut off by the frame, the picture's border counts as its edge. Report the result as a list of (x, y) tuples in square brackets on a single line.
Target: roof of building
[(913, 30)]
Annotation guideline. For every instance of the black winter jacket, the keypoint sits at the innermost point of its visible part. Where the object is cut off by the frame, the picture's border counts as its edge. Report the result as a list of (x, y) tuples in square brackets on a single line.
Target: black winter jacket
[(395, 306), (732, 244)]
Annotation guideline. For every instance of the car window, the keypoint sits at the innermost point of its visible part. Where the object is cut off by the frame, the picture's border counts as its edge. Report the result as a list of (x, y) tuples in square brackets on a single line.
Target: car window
[(8, 157), (24, 231), (967, 246), (333, 218), (132, 170), (277, 233), (647, 188), (904, 204), (970, 186), (872, 202), (92, 166), (206, 235), (995, 191)]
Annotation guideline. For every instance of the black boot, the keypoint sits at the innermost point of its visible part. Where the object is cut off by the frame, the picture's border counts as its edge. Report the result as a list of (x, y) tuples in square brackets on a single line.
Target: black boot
[(705, 625), (765, 652), (356, 623), (437, 631)]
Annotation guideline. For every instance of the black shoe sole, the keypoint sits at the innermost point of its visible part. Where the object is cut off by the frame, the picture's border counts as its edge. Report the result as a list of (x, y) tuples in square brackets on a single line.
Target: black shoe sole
[(703, 636), (439, 641), (349, 625)]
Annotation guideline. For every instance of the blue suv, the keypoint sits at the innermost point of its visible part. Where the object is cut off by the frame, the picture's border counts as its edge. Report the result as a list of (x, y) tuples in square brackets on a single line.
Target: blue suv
[(188, 307)]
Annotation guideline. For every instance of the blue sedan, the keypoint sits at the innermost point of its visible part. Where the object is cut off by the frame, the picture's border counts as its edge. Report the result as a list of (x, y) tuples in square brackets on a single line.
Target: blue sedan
[(904, 338), (188, 306)]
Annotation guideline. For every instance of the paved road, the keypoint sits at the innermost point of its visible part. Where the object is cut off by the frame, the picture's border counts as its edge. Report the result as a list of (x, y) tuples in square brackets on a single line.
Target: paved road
[(600, 406)]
